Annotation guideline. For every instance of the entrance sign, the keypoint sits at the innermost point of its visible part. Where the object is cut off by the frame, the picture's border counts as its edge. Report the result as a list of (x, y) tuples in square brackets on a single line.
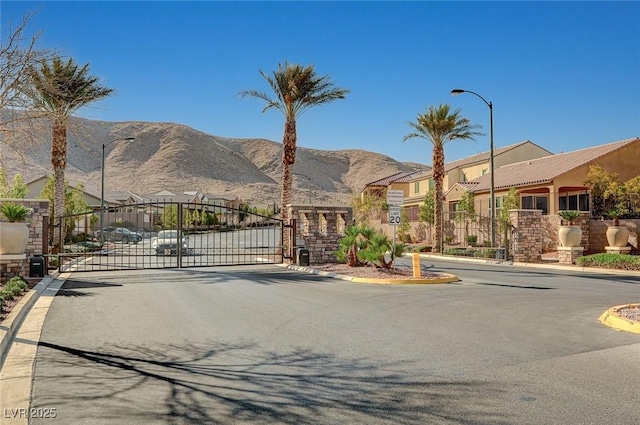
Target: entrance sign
[(395, 197), (394, 215)]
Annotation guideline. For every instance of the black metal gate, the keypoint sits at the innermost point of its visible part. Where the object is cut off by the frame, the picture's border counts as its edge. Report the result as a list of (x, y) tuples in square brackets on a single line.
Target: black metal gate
[(477, 236), (168, 235)]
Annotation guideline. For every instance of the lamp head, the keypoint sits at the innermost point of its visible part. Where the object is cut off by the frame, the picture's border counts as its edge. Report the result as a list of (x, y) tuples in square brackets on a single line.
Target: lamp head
[(129, 139), (456, 92)]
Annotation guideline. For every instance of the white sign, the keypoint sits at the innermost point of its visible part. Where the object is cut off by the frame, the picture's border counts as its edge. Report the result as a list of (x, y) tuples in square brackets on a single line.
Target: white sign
[(395, 197), (394, 215)]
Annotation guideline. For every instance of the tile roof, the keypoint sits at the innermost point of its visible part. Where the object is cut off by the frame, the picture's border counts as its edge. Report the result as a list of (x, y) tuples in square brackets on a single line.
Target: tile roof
[(386, 181), (547, 168), (403, 177)]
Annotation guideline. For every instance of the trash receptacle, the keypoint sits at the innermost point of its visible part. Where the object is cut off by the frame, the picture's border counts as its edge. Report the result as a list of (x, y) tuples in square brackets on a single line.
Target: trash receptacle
[(303, 257), (36, 266)]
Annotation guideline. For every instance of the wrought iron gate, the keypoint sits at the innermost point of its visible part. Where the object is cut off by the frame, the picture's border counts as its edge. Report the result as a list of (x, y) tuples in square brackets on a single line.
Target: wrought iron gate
[(168, 235), (470, 235)]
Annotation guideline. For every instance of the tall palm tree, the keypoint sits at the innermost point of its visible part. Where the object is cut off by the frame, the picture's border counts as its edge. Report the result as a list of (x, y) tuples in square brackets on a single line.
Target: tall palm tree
[(296, 89), (59, 88), (439, 125)]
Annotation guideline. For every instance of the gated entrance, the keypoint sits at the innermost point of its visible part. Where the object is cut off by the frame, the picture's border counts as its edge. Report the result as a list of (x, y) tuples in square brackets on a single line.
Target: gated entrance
[(168, 235), (469, 235)]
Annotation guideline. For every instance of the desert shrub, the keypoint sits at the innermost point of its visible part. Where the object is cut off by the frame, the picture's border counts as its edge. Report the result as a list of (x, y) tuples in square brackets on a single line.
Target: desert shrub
[(610, 261), (14, 287), (364, 245), (472, 240)]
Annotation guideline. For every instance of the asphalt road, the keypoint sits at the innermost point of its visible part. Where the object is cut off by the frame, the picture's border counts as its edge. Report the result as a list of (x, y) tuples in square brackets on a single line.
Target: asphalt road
[(264, 345)]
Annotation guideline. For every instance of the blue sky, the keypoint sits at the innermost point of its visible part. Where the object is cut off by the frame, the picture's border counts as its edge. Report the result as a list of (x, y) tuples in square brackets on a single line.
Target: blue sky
[(565, 75)]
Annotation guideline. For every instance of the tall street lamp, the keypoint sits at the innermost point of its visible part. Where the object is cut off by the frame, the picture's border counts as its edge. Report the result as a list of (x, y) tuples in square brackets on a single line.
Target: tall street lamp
[(308, 184), (492, 195), (127, 139)]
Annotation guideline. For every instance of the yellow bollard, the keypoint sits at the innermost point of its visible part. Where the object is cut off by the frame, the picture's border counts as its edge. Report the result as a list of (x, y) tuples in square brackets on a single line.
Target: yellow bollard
[(416, 265)]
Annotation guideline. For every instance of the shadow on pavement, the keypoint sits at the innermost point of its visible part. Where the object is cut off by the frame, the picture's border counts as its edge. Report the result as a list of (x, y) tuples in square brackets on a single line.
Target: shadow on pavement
[(218, 383)]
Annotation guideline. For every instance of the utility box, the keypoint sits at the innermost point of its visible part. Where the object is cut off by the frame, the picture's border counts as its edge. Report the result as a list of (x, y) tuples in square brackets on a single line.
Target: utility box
[(303, 257), (36, 266)]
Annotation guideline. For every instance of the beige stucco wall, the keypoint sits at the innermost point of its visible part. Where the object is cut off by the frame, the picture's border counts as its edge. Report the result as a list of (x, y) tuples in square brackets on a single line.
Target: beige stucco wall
[(521, 153)]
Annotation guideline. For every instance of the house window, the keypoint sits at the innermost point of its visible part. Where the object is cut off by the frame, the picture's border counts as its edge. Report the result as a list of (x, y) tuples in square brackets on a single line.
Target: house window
[(484, 171), (535, 202), (574, 202), (416, 187), (498, 204), (432, 184)]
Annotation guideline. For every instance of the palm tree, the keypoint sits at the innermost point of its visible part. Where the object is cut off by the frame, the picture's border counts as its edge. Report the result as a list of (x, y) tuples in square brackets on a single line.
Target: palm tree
[(439, 125), (59, 88), (296, 90)]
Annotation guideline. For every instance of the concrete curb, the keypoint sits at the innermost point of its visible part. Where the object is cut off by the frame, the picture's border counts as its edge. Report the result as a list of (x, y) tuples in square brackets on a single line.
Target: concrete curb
[(446, 278), (9, 327), (535, 265), (610, 318)]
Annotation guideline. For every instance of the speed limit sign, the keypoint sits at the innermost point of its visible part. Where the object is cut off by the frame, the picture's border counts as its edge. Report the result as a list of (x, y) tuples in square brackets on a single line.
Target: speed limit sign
[(394, 215)]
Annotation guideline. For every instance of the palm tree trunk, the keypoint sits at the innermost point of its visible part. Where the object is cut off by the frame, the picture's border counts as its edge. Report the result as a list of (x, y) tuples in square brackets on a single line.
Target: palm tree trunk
[(288, 160), (59, 163), (438, 176)]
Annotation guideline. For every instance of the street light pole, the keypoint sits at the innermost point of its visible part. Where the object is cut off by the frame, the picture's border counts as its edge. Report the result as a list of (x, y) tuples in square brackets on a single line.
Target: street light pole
[(127, 139), (492, 195), (308, 184)]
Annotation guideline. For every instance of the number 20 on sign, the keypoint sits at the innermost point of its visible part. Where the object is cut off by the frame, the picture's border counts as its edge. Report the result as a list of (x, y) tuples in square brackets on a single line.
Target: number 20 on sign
[(394, 215)]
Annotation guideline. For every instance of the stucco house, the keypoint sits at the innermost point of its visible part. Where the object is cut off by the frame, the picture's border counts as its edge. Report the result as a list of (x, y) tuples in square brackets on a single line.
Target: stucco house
[(552, 183), (415, 185)]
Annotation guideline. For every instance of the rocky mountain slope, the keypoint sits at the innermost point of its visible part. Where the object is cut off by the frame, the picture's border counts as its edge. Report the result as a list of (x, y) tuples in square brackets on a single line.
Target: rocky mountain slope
[(178, 158)]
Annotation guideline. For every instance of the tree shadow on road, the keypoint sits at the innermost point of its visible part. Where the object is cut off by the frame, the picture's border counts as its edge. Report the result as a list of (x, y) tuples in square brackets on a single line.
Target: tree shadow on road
[(218, 383)]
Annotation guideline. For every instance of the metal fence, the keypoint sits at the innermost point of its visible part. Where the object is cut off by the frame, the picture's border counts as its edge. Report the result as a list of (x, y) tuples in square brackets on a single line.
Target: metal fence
[(470, 235), (168, 235)]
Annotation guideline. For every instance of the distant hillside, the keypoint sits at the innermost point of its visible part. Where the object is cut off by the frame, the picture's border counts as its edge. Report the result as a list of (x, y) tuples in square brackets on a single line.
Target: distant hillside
[(179, 158)]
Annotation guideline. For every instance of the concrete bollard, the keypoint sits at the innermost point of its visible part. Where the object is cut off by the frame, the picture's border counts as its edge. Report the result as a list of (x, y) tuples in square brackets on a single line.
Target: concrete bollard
[(416, 265)]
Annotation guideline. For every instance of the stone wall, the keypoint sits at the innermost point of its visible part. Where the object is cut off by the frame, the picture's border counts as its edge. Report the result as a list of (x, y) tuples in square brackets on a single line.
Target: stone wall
[(36, 243), (318, 229), (598, 231), (527, 235)]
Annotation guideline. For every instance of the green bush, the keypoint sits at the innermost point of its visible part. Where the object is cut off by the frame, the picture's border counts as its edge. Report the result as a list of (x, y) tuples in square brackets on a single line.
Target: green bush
[(15, 286), (610, 261), (472, 240)]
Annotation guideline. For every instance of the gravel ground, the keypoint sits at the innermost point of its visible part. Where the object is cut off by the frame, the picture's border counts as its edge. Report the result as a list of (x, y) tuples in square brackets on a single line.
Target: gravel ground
[(400, 272), (631, 313)]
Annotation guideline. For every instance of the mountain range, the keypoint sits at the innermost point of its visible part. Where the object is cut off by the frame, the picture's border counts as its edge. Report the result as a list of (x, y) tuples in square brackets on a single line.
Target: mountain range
[(168, 156)]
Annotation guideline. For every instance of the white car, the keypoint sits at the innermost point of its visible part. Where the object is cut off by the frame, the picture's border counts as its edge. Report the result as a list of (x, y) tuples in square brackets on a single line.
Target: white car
[(167, 242)]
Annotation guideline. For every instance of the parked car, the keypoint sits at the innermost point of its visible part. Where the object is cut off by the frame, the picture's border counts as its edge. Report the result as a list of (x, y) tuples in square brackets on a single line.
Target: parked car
[(166, 242), (121, 234)]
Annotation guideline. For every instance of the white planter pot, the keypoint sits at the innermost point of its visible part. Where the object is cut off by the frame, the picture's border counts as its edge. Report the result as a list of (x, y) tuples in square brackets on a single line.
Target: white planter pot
[(569, 236), (13, 238), (617, 236)]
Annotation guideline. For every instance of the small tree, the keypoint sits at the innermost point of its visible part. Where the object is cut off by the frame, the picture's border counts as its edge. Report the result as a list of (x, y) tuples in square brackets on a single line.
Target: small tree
[(427, 214), (405, 227), (74, 204), (511, 201), (17, 190), (465, 213), (368, 208), (606, 189)]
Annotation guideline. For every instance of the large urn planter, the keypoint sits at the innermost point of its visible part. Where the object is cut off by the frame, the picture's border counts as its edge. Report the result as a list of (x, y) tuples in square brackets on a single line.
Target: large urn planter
[(570, 236), (14, 232), (13, 238), (617, 236)]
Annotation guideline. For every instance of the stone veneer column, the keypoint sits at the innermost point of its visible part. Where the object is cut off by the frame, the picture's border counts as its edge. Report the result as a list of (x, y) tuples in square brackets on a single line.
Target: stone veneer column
[(568, 255), (10, 267), (322, 244), (527, 235)]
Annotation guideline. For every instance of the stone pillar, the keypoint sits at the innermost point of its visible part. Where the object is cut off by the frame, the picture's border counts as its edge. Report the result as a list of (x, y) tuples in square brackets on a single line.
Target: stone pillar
[(568, 255), (18, 265), (527, 235), (319, 228)]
